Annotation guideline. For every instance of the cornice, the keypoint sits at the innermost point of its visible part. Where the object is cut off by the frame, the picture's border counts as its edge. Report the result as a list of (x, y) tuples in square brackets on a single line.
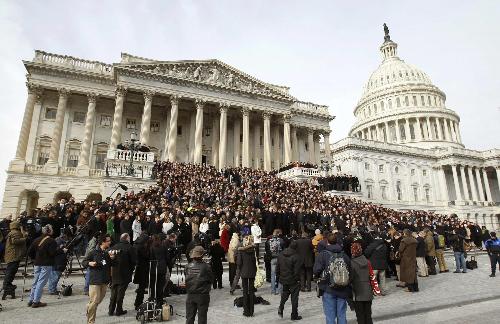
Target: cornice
[(54, 70)]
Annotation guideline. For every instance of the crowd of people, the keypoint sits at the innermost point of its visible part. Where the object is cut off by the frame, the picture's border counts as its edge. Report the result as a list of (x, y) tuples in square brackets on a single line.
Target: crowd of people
[(207, 214), (341, 182)]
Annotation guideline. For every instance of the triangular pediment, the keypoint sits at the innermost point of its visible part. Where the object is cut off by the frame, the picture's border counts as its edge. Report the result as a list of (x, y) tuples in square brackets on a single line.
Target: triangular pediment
[(209, 72)]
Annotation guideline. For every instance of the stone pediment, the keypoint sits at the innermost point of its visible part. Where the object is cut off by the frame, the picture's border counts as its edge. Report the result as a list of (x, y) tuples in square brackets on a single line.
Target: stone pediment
[(208, 72)]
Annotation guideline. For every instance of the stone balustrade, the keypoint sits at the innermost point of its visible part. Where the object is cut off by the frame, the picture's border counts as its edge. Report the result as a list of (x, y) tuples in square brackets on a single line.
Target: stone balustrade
[(120, 168), (97, 173), (124, 155), (34, 169), (299, 173), (73, 63)]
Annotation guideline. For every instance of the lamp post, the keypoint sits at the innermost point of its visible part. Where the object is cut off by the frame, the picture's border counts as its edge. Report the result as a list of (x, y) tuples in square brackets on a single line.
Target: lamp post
[(133, 146), (326, 166)]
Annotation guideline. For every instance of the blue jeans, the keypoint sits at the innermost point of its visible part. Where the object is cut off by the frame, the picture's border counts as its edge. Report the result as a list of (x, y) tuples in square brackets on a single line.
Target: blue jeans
[(274, 262), (334, 308), (54, 280), (87, 280), (42, 274), (460, 261)]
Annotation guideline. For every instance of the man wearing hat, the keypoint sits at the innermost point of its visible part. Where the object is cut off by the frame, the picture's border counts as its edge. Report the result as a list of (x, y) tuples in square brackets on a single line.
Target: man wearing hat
[(198, 284)]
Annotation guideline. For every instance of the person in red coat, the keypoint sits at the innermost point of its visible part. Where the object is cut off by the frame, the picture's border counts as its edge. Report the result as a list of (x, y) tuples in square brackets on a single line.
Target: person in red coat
[(224, 238)]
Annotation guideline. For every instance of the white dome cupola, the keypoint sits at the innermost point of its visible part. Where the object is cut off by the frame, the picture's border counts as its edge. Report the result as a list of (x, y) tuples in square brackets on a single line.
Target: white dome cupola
[(400, 105)]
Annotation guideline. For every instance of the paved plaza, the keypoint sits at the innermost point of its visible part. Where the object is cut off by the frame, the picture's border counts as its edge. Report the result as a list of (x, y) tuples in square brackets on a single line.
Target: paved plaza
[(445, 298)]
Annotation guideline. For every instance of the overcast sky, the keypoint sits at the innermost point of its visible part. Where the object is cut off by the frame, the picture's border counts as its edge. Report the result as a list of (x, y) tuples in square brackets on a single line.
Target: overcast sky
[(324, 50)]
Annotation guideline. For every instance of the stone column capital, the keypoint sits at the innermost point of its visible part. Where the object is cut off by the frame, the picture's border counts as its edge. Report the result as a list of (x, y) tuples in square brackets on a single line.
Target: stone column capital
[(310, 131), (174, 100), (32, 87), (266, 116), (148, 95), (92, 97), (63, 93), (223, 107), (287, 118), (200, 103), (121, 91), (245, 111)]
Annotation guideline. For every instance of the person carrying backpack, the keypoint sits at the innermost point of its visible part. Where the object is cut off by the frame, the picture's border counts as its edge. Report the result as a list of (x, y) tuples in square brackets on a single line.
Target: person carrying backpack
[(274, 246), (493, 248), (440, 243), (332, 266)]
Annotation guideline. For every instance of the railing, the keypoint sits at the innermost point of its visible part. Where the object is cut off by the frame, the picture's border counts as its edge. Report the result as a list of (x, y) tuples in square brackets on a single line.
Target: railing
[(310, 107), (95, 173), (70, 171), (34, 169), (73, 62), (121, 169), (299, 172), (124, 155)]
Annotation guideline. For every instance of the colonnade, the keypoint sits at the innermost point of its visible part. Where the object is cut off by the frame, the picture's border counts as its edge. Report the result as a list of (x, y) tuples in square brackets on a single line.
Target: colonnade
[(471, 183)]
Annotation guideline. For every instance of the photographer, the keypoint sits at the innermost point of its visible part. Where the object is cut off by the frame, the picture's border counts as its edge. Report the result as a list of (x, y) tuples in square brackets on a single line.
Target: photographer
[(121, 274), (60, 261), (15, 249), (99, 262)]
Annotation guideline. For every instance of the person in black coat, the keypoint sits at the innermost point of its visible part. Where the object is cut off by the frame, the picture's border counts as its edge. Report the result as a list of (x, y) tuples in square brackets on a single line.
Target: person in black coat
[(198, 280), (126, 224), (121, 273), (288, 270), (159, 268), (247, 268), (141, 277), (376, 252), (217, 254), (305, 253)]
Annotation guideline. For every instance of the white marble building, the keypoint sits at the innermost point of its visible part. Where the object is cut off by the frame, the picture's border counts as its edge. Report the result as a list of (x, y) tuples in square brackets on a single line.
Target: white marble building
[(406, 148), (79, 111)]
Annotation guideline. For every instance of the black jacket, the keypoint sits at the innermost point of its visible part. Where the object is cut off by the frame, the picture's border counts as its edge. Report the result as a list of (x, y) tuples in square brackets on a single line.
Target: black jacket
[(376, 252), (217, 254), (100, 274), (44, 253), (126, 260), (246, 262), (198, 278), (288, 267), (420, 247), (305, 252), (160, 254)]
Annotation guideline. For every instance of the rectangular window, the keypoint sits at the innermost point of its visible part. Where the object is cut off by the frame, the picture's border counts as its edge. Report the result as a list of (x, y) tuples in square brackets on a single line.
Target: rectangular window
[(369, 188), (381, 168), (105, 120), (407, 101), (100, 159), (415, 193), (424, 172), (398, 190), (367, 166), (43, 155), (422, 99), (131, 124), (398, 102), (50, 113), (412, 172), (179, 130), (260, 141), (155, 127), (427, 195), (384, 192), (414, 100), (73, 158), (429, 100), (79, 117)]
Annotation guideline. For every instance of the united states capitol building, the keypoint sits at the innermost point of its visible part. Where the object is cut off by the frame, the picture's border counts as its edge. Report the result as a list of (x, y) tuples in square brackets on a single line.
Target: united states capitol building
[(406, 149), (83, 122)]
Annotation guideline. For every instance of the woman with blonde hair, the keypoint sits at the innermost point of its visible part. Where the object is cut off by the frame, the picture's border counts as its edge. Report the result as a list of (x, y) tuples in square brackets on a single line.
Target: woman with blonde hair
[(231, 256), (247, 266)]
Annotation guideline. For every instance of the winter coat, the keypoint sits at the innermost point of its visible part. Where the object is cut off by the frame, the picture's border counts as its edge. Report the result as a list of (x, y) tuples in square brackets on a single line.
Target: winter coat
[(288, 267), (224, 240), (15, 244), (315, 241), (198, 278), (246, 262), (233, 249), (256, 232), (125, 260), (360, 274), (305, 252), (322, 262), (430, 249), (408, 265), (420, 247), (160, 254), (45, 252), (142, 269), (376, 252), (100, 274), (217, 254)]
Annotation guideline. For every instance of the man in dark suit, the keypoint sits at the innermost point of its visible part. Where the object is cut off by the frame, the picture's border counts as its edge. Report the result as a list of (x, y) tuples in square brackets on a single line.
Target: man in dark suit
[(121, 273), (305, 255)]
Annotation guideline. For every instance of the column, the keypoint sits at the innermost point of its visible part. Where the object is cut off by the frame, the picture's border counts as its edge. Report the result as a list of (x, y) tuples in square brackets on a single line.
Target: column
[(453, 133), (267, 141), (192, 128), (472, 184), (447, 135), (378, 135), (83, 161), (33, 129), (276, 150), (256, 145), (172, 134), (398, 135), (464, 183), (444, 185), (497, 169), (236, 142), (439, 129), (246, 139), (295, 144), (429, 128), (53, 163), (479, 185), (146, 118), (370, 133), (317, 156), (487, 185), (407, 130), (286, 140), (457, 130), (165, 141), (198, 133), (310, 144), (116, 131), (418, 131), (326, 139), (215, 140), (455, 181), (223, 136), (388, 138)]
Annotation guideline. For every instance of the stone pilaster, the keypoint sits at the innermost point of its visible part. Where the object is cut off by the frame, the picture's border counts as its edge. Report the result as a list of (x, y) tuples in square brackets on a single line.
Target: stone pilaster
[(418, 131), (398, 135), (215, 140), (276, 149), (295, 144), (84, 159)]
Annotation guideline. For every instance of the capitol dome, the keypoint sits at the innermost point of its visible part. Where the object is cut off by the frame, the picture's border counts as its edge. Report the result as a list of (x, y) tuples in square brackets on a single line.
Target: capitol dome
[(400, 105)]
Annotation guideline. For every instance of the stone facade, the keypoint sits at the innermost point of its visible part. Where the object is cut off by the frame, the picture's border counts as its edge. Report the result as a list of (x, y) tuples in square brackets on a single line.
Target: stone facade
[(79, 112), (406, 148)]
